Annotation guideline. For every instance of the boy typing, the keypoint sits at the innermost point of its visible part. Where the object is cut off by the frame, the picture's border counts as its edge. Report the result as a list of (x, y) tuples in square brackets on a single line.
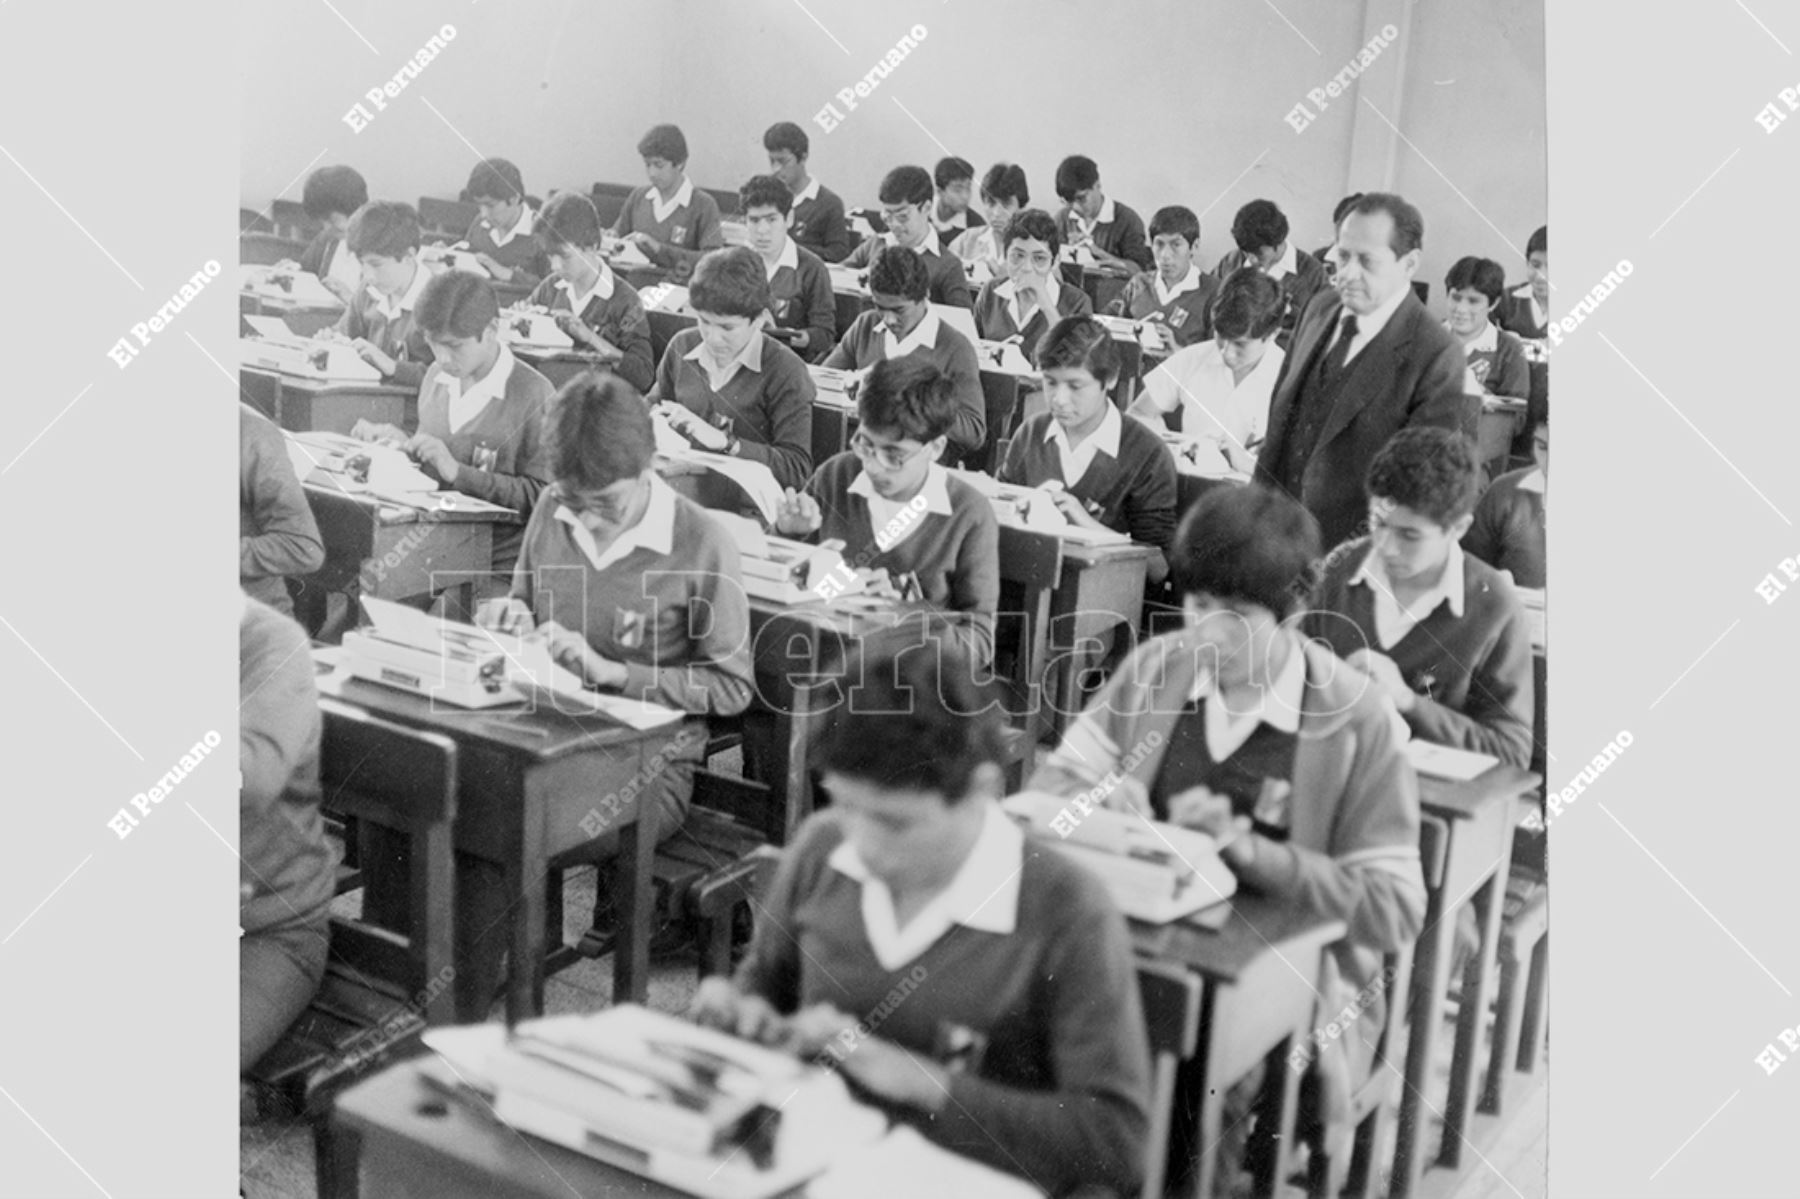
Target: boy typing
[(501, 237), (817, 220), (906, 197), (331, 196), (1261, 233), (1177, 294), (599, 311), (799, 286), (670, 220), (1111, 232), (378, 320)]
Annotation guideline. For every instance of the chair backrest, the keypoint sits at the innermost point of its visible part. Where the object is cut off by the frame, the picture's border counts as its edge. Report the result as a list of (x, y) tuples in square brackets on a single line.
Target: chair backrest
[(609, 201), (1032, 563), (1434, 839), (727, 200), (252, 221), (292, 220), (749, 803), (451, 218)]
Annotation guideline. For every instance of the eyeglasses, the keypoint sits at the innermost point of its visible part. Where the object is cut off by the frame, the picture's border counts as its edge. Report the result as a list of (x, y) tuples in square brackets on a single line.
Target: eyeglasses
[(889, 457), (1039, 260)]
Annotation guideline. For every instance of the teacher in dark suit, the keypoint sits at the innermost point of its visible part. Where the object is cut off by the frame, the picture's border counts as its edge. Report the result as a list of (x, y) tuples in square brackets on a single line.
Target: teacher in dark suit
[(1367, 361)]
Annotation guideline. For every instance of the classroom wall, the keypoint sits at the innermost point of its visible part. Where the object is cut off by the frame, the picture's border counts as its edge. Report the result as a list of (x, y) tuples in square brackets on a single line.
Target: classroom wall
[(1180, 101)]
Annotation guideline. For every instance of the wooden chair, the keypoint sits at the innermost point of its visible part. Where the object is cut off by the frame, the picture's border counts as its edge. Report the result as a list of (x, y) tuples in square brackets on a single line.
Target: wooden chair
[(380, 989), (1171, 997), (446, 218), (609, 201), (1030, 568)]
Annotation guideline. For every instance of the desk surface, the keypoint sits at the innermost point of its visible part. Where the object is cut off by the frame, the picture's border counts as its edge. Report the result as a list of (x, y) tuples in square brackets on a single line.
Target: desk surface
[(335, 386), (322, 489), (1256, 925), (1455, 800)]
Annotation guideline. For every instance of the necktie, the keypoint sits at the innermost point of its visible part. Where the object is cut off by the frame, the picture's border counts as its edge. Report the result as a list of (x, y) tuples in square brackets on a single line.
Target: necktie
[(1340, 349)]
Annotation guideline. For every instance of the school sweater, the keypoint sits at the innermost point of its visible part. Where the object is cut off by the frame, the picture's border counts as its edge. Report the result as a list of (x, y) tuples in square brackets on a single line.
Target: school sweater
[(686, 233), (283, 853), (949, 285), (1060, 1092), (1136, 491), (1508, 533), (511, 428), (316, 258), (618, 317), (1124, 236), (865, 343), (1516, 317), (399, 336), (819, 225), (1472, 673), (770, 407), (800, 298), (521, 254), (993, 315), (277, 535), (679, 622), (1298, 286), (955, 558), (1503, 369), (1188, 315)]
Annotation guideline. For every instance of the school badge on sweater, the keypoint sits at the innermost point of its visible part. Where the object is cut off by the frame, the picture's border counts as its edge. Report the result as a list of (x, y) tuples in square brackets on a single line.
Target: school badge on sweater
[(628, 627)]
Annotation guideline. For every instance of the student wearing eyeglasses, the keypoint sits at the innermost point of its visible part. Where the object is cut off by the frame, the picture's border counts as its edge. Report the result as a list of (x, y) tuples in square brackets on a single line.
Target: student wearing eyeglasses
[(1030, 298)]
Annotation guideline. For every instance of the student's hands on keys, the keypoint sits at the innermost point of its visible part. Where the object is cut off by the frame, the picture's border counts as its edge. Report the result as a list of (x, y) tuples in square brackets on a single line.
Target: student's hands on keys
[(581, 335), (683, 420), (1207, 811), (507, 614), (643, 241), (798, 515), (374, 357), (494, 267), (718, 1004), (1387, 676), (880, 1066), (1075, 510), (571, 651), (433, 455), (368, 430)]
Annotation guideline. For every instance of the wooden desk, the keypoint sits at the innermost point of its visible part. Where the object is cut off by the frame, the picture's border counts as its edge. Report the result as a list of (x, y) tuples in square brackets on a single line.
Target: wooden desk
[(392, 552), (303, 317), (1190, 487), (1101, 587), (315, 406), (558, 366)]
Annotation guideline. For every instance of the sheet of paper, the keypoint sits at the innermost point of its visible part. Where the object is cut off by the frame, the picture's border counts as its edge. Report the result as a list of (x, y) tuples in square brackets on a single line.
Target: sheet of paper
[(1441, 761), (668, 441), (756, 479), (1003, 356), (272, 327), (620, 252), (1201, 456), (958, 318)]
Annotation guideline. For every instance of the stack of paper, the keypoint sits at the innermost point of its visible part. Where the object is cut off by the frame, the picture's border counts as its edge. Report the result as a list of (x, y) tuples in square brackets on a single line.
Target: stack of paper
[(848, 280)]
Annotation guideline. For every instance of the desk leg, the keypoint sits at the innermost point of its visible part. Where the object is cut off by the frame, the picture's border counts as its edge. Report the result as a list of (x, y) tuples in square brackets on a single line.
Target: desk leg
[(1477, 986), (1431, 973), (336, 1153), (1209, 1125), (525, 974), (1280, 1102), (631, 952)]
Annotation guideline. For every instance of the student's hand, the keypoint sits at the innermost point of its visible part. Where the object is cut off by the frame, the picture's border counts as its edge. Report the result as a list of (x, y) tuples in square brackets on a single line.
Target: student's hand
[(433, 455), (571, 651), (1209, 812), (507, 614), (880, 1066), (502, 273), (368, 430), (1075, 510), (1240, 458), (373, 356), (718, 1004), (798, 514), (1387, 676), (684, 421), (578, 332), (643, 241)]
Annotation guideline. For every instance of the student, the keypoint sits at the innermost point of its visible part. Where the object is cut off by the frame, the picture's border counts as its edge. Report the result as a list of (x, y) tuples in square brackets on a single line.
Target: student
[(1222, 386), (1439, 631), (1177, 294), (331, 195), (1003, 193), (670, 220), (600, 312), (1475, 287), (1030, 297), (278, 538), (1110, 473), (1526, 312), (378, 319), (1261, 233), (1112, 232), (914, 882), (1508, 530), (951, 215), (501, 237), (948, 552), (1238, 727), (817, 221), (900, 323), (481, 410), (906, 198), (800, 297), (726, 385)]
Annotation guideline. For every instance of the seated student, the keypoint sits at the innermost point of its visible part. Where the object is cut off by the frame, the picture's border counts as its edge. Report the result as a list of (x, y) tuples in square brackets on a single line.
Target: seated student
[(906, 198), (481, 410), (800, 297), (501, 237), (288, 868), (1475, 287), (817, 221), (1508, 529), (1526, 311), (599, 311), (670, 220), (951, 215), (726, 385), (378, 319), (1439, 630), (947, 552), (1237, 726), (1323, 253), (1003, 193), (278, 538), (1261, 233), (1031, 296), (1177, 294), (1111, 473), (900, 322), (1222, 386), (915, 873), (332, 195), (1112, 232)]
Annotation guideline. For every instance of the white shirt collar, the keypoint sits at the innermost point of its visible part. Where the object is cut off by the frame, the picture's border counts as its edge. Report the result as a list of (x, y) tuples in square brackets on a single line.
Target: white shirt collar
[(467, 403), (661, 208), (1077, 459), (1539, 316), (603, 287), (1052, 299), (1186, 283), (923, 337), (750, 357), (884, 514), (982, 895), (1108, 211), (1392, 622), (955, 224), (390, 310), (654, 531), (1535, 481), (520, 227), (1368, 326), (1486, 342), (1287, 264), (809, 192), (929, 246), (1277, 706), (789, 257)]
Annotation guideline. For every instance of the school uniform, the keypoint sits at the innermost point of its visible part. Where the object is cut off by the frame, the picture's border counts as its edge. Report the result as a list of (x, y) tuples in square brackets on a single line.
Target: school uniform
[(1520, 315), (817, 222), (1465, 647), (980, 244), (515, 248), (1025, 960), (328, 256), (1186, 308), (868, 341), (687, 225), (388, 324), (800, 297), (1508, 533), (1497, 360), (1116, 228), (948, 231), (765, 392), (949, 285), (997, 314), (1212, 401), (1122, 472), (1299, 274), (612, 308), (277, 535)]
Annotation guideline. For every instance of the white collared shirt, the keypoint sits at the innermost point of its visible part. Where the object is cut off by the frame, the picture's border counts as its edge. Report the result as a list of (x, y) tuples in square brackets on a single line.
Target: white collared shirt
[(520, 227), (1287, 264), (1108, 210), (957, 223), (1186, 283), (467, 403), (1077, 459), (718, 376), (1368, 326), (1277, 706), (1392, 622), (1212, 402), (654, 531), (982, 895), (1050, 304), (1485, 342), (391, 309), (809, 192), (789, 257), (1539, 316), (1535, 481), (884, 514), (929, 245), (661, 208), (602, 287), (924, 336)]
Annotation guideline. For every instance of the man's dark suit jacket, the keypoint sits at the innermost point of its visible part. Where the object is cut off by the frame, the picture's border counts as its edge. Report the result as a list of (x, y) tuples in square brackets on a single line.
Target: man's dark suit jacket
[(1411, 374)]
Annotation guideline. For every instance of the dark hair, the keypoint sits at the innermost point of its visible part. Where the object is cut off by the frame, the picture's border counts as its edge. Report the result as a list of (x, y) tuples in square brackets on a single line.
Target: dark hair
[(1409, 224), (909, 394), (1006, 181), (333, 189), (496, 179), (456, 304), (568, 219), (1539, 242), (1343, 208), (785, 135), (1074, 174), (1257, 224), (383, 227), (895, 271), (951, 169), (1176, 220), (1081, 342), (1249, 304), (599, 432), (1435, 472), (664, 142), (1482, 274), (906, 185), (765, 191), (1252, 544), (1035, 224), (730, 282)]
